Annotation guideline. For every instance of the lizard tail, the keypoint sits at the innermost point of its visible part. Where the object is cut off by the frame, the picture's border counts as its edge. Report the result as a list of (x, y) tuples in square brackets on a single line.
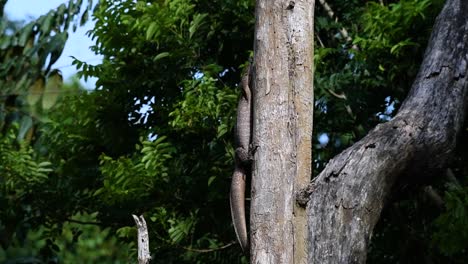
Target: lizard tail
[(237, 201)]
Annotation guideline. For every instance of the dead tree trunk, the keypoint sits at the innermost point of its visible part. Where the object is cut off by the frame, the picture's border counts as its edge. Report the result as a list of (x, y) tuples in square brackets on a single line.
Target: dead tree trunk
[(347, 197), (282, 129)]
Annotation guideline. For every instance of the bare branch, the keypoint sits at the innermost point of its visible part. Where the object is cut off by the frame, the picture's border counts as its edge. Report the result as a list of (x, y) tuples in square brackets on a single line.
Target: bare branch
[(207, 250), (340, 96), (83, 222), (331, 14), (451, 177), (349, 193), (144, 255)]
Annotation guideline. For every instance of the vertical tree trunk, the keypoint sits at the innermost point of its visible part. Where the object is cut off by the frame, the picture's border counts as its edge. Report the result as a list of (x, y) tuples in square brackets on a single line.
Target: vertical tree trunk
[(283, 107), (347, 197)]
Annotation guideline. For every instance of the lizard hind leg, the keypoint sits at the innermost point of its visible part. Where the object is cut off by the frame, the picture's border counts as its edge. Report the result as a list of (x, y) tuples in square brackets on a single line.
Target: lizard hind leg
[(243, 155)]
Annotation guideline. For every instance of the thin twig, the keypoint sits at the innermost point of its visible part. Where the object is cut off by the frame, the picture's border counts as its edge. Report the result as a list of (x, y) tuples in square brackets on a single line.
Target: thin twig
[(451, 177), (434, 197), (210, 249), (83, 222), (344, 33), (320, 40), (341, 96)]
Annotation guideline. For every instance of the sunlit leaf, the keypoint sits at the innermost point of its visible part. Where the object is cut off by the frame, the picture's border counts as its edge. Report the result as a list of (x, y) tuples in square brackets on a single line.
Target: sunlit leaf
[(196, 23), (46, 24), (52, 90), (35, 91), (151, 30), (161, 55), (211, 179), (26, 124)]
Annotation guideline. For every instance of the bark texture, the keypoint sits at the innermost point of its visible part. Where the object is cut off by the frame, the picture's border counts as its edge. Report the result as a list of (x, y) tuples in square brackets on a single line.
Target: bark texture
[(282, 129), (144, 255), (347, 197)]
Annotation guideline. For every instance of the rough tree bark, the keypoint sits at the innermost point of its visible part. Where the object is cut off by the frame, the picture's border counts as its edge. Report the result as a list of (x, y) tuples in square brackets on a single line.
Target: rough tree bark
[(144, 254), (347, 197), (282, 129)]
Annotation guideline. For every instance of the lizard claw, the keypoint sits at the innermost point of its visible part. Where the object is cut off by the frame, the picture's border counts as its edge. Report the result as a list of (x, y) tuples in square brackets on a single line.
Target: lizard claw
[(252, 149)]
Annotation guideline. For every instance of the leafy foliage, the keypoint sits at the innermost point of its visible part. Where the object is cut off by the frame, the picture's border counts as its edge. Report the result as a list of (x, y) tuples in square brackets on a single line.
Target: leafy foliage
[(364, 82), (19, 166), (124, 179), (25, 50), (82, 240), (155, 137), (452, 232)]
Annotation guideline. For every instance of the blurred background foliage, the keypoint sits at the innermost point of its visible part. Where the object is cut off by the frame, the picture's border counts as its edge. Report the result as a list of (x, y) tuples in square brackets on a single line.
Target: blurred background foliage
[(155, 136)]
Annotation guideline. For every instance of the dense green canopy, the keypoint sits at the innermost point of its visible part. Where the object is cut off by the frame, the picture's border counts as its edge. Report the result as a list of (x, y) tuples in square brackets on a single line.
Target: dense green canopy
[(155, 136)]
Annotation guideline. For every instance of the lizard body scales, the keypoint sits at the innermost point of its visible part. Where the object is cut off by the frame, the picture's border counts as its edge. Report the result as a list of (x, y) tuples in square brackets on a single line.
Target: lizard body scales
[(242, 166)]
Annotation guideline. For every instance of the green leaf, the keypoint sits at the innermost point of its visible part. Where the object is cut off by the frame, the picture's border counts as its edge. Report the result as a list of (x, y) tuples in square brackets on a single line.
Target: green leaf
[(25, 34), (26, 124), (57, 44), (211, 179), (125, 232), (5, 42), (161, 55), (20, 85), (84, 18), (45, 170), (151, 30), (35, 91), (195, 24), (222, 130), (45, 164), (52, 90), (46, 24)]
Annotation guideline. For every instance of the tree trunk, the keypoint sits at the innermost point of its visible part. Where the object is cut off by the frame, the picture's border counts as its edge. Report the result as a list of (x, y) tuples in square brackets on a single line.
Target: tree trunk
[(283, 107), (347, 197)]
